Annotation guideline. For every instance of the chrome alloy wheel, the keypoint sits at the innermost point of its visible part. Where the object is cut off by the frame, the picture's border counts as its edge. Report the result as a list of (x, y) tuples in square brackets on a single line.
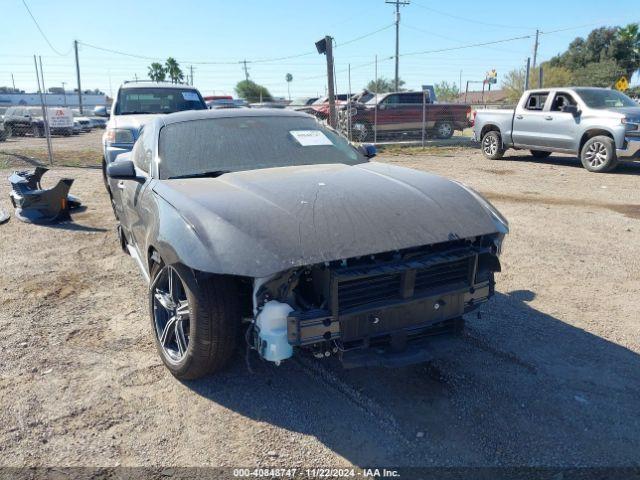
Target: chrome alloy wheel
[(445, 130), (490, 145), (596, 154), (171, 314)]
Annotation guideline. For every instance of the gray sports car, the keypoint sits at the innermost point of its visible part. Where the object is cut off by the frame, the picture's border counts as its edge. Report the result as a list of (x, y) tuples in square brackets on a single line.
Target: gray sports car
[(264, 224)]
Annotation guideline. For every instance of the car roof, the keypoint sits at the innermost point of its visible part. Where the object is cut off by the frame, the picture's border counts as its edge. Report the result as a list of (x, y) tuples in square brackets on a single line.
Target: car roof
[(189, 115), (150, 84)]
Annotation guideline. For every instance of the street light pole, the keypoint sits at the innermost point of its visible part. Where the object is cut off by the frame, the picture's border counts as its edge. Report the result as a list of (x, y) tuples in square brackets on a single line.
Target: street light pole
[(64, 92)]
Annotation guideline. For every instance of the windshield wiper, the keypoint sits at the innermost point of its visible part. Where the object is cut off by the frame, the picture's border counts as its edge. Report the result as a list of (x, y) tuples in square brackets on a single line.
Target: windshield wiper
[(209, 174)]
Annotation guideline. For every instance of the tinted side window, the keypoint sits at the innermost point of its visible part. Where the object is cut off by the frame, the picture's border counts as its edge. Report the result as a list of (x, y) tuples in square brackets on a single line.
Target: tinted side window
[(411, 98), (391, 100), (536, 101)]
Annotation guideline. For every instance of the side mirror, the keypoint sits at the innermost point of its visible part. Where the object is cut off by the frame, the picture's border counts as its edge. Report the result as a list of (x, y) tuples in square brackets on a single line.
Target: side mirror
[(122, 170), (572, 109), (369, 150), (382, 106), (100, 111)]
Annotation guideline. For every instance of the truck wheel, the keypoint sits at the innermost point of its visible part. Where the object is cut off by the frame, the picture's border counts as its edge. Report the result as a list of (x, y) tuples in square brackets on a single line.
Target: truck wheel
[(540, 154), (8, 131), (195, 322), (492, 145), (599, 154), (444, 130), (361, 131), (37, 131)]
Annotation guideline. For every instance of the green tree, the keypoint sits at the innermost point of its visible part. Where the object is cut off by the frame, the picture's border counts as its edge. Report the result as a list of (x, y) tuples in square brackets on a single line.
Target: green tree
[(627, 49), (289, 79), (384, 85), (446, 92), (252, 92), (597, 74), (173, 69), (157, 72)]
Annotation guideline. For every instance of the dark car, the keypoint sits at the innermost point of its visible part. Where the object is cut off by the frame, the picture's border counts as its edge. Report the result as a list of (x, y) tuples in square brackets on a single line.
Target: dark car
[(405, 112), (266, 221)]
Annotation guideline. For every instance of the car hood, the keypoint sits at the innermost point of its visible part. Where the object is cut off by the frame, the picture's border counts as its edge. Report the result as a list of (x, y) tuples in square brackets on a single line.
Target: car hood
[(260, 222), (132, 122)]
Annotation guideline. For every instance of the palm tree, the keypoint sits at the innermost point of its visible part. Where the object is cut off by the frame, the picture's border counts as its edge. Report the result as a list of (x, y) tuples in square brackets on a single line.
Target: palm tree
[(289, 78), (629, 36), (157, 72), (173, 70)]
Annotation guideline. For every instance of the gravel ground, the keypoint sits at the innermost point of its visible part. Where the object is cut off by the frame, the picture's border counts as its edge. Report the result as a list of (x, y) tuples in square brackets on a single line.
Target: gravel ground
[(548, 376)]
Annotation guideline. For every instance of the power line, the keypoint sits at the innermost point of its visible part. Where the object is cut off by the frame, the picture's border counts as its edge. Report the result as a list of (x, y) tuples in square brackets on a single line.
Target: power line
[(365, 35), (458, 17), (472, 45), (42, 33)]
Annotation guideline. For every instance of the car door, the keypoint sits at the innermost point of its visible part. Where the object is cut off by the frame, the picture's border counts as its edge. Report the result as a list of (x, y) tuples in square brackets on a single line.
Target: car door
[(388, 113), (410, 111), (133, 191), (560, 128), (529, 120)]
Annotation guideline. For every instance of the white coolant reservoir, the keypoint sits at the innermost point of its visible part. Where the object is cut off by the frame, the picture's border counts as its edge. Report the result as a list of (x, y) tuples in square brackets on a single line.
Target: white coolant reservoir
[(272, 331)]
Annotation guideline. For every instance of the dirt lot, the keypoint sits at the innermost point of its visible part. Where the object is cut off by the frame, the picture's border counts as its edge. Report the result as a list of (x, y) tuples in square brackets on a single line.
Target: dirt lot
[(549, 375)]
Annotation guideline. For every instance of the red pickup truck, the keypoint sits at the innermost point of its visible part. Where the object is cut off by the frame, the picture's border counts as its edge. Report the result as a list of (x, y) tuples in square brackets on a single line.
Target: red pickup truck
[(402, 112)]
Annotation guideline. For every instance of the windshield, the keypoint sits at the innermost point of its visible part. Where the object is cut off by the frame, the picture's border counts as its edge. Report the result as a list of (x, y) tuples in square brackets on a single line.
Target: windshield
[(600, 99), (247, 143), (158, 100)]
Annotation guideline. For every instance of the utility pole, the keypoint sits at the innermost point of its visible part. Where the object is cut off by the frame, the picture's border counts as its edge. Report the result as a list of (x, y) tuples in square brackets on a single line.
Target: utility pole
[(13, 82), (64, 93), (75, 46), (397, 3), (191, 69), (326, 46), (526, 73), (246, 70), (44, 109), (535, 50)]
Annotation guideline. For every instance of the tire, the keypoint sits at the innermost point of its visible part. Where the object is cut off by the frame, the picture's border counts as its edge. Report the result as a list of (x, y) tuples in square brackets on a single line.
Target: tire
[(444, 130), (492, 145), (540, 154), (361, 131), (598, 154), (104, 176), (208, 334), (8, 131), (37, 131)]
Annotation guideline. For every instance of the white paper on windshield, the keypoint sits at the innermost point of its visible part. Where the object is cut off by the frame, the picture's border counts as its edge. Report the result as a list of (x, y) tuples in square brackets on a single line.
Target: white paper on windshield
[(190, 96), (309, 138)]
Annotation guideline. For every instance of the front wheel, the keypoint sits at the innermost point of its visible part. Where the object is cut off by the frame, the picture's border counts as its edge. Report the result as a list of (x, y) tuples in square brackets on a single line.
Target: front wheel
[(361, 131), (444, 130), (598, 154), (195, 321), (37, 131), (492, 145), (540, 154)]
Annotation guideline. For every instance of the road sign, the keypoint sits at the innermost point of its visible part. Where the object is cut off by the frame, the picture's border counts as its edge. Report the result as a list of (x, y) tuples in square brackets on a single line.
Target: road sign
[(622, 84)]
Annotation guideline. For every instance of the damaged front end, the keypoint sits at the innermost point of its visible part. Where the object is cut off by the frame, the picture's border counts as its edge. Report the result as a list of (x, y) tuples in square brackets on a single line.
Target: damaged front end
[(34, 204), (378, 309)]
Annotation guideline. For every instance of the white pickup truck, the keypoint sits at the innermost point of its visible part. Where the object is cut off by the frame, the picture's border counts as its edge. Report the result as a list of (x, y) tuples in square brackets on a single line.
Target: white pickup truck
[(599, 125)]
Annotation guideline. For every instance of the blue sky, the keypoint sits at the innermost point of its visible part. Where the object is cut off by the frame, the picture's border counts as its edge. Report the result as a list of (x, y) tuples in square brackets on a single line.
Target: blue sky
[(225, 32)]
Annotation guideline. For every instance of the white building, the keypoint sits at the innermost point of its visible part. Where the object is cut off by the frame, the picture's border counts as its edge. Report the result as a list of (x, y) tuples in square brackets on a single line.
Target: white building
[(70, 99)]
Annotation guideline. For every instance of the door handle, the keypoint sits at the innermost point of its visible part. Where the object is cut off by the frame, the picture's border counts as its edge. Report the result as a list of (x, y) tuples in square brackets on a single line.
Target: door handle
[(548, 118), (519, 117), (121, 184)]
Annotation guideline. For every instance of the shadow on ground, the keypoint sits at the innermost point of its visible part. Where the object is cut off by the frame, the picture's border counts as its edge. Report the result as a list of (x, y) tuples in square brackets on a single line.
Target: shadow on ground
[(524, 388), (623, 168)]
